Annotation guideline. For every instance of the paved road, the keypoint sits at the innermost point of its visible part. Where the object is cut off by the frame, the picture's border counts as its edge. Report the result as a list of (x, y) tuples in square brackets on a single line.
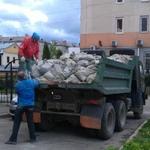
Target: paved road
[(65, 137)]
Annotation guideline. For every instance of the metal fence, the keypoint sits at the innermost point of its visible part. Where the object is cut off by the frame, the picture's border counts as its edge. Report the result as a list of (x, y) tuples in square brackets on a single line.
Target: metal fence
[(7, 83)]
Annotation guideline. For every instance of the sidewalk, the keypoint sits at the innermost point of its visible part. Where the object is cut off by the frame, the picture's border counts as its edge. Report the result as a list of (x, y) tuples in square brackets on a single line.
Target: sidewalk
[(4, 110)]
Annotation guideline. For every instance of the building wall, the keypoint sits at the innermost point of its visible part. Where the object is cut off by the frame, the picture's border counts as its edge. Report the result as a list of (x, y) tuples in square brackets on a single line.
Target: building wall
[(74, 49), (10, 55), (124, 40), (10, 52), (98, 23)]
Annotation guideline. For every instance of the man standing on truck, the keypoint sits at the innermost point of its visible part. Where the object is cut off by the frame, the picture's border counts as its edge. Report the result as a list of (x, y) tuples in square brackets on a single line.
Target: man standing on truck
[(28, 50), (25, 91)]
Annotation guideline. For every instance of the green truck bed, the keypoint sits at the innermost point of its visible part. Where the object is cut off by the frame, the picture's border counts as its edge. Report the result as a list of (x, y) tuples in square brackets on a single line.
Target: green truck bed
[(112, 77)]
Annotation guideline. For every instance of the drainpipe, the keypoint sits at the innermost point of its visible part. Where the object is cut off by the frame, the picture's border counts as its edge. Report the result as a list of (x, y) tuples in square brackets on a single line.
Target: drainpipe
[(138, 53)]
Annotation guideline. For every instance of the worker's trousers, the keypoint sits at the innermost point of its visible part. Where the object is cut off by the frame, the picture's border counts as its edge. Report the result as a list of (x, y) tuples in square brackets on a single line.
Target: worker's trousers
[(17, 121), (26, 66)]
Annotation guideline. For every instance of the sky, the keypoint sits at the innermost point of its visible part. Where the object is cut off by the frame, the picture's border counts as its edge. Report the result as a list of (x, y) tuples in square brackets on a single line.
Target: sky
[(51, 19)]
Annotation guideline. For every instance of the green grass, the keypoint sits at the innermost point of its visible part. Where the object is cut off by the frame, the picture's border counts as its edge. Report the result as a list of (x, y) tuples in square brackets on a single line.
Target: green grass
[(140, 142)]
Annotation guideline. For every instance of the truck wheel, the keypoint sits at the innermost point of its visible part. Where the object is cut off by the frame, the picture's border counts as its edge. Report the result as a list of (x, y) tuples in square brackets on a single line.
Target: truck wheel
[(138, 115), (108, 122), (45, 125), (122, 51), (121, 111)]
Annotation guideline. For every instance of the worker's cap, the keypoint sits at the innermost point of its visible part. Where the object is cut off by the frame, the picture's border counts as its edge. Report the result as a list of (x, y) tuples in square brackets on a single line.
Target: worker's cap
[(36, 36)]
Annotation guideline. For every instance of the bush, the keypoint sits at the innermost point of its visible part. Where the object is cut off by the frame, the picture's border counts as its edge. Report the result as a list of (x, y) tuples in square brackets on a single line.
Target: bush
[(2, 85), (58, 54)]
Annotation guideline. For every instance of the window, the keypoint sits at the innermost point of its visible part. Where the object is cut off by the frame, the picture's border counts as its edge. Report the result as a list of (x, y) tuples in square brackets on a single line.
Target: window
[(7, 59), (119, 25), (119, 1), (144, 24), (13, 60)]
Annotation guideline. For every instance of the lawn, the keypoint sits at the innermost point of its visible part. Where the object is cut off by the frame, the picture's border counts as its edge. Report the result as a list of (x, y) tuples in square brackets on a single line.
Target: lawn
[(141, 141)]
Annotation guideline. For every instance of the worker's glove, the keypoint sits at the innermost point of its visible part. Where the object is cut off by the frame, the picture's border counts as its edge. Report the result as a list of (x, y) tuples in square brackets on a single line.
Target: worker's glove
[(22, 59)]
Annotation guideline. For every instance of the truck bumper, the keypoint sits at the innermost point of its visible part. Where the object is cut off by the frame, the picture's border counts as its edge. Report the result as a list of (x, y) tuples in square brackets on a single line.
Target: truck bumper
[(36, 117), (90, 122)]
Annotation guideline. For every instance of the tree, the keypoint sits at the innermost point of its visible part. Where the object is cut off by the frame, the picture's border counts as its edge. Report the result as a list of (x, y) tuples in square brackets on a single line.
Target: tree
[(53, 52), (46, 52), (59, 53)]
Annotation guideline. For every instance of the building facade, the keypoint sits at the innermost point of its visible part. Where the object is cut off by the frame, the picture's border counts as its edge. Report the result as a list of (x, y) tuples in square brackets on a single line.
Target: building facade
[(116, 23), (8, 53)]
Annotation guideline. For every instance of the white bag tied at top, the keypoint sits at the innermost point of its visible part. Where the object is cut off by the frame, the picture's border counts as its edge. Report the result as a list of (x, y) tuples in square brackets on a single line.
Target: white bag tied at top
[(75, 68)]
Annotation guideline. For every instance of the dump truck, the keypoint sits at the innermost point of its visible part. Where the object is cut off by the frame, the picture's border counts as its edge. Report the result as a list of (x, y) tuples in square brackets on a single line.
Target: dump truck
[(100, 107)]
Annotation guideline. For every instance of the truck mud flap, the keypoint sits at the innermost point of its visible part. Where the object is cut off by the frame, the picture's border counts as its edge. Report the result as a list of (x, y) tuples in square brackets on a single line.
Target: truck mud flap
[(36, 117), (91, 116)]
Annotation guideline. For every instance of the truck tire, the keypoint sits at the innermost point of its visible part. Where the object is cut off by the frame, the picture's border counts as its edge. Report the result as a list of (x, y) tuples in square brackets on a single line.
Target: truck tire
[(121, 112), (108, 122), (45, 125), (138, 115), (122, 51)]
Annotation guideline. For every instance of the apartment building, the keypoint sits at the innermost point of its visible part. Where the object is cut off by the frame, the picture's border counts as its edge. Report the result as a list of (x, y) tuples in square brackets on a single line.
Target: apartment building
[(117, 23)]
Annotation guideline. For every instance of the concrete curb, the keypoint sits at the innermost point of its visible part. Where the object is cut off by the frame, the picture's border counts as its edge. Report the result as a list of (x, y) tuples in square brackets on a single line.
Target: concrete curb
[(135, 133), (4, 115)]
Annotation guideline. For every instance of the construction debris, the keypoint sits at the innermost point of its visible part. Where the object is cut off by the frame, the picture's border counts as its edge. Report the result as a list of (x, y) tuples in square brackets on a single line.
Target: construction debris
[(74, 68)]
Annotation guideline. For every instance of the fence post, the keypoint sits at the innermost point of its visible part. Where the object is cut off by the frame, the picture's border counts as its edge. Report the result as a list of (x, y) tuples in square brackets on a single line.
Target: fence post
[(11, 79)]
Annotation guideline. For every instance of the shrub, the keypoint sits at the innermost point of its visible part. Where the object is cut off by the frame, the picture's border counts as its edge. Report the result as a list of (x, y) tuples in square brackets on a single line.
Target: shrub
[(2, 84)]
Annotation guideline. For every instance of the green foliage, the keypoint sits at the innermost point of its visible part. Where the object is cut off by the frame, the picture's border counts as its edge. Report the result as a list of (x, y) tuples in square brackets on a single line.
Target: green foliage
[(140, 142), (59, 53), (53, 51), (131, 146), (2, 85), (111, 148), (46, 52)]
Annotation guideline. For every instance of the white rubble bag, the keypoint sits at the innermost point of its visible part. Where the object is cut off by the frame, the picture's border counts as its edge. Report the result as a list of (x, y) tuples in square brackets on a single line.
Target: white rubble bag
[(83, 74), (48, 76), (75, 68), (35, 71), (72, 79), (45, 68), (91, 78)]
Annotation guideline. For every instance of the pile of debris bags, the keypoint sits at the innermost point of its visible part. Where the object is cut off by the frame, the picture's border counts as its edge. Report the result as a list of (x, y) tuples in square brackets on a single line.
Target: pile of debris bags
[(75, 68)]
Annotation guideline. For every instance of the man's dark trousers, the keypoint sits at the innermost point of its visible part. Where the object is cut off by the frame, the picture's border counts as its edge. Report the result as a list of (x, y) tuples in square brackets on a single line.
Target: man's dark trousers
[(17, 121)]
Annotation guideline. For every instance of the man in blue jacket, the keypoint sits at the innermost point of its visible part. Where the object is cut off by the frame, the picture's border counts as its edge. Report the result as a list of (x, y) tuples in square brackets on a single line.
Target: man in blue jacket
[(25, 91)]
